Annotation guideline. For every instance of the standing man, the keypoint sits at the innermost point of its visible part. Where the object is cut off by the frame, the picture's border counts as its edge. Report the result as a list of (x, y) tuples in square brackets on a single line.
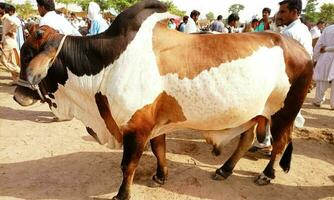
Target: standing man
[(182, 25), (191, 26), (316, 31), (264, 22), (10, 51), (288, 14), (232, 23), (46, 9), (19, 31), (324, 69), (97, 23), (218, 24)]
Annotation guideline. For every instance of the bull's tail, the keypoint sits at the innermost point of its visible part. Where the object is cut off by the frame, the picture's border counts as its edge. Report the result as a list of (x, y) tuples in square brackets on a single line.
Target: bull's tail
[(285, 161)]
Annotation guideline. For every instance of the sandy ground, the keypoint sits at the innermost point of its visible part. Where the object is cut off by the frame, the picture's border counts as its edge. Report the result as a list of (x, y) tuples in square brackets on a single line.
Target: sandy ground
[(42, 159)]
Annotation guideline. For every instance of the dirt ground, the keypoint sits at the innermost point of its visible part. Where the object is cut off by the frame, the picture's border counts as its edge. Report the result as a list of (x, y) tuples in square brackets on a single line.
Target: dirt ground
[(42, 159)]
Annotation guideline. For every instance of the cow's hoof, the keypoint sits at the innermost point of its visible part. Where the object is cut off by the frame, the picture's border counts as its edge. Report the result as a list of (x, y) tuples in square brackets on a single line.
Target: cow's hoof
[(215, 151), (157, 182), (262, 180), (118, 198), (220, 175)]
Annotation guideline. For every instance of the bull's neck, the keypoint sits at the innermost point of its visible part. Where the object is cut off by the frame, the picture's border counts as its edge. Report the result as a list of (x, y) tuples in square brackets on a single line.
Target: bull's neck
[(87, 55)]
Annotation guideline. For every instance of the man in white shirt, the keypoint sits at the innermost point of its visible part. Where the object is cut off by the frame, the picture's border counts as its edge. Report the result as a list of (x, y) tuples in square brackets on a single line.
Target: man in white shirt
[(46, 9), (316, 30), (232, 24), (324, 69), (288, 14), (191, 26)]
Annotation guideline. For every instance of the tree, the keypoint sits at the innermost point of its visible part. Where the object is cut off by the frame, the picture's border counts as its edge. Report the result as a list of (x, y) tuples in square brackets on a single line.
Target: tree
[(236, 8), (104, 4), (66, 2), (310, 13), (173, 9), (210, 16), (327, 12), (25, 10)]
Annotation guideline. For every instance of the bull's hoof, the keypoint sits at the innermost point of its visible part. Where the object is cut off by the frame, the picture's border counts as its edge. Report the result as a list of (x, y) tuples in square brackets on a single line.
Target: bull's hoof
[(119, 198), (215, 151), (157, 182), (221, 175), (262, 180)]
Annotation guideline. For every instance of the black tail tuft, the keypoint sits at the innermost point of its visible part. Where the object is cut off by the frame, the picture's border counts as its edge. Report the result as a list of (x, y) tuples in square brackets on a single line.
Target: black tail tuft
[(286, 158)]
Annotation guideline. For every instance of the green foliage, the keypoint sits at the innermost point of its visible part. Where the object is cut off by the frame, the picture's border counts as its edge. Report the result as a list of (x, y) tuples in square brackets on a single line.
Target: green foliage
[(104, 4), (236, 8), (120, 5), (310, 13), (25, 10), (327, 12), (66, 2), (173, 9), (210, 16)]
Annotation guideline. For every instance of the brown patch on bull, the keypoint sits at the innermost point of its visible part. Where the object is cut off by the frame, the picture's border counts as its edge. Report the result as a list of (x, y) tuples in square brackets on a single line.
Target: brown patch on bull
[(261, 128), (193, 53), (164, 110), (104, 109), (42, 60)]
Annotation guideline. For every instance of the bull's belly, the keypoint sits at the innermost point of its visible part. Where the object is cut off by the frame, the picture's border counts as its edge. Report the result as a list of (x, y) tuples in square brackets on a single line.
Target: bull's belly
[(232, 93)]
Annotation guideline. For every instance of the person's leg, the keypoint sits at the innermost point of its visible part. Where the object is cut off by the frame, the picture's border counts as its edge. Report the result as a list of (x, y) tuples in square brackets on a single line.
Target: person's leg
[(9, 62), (299, 121), (321, 87), (332, 95)]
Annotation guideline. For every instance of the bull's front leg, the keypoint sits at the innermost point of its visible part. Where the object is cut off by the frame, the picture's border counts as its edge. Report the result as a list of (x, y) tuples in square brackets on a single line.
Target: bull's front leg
[(158, 146), (133, 144)]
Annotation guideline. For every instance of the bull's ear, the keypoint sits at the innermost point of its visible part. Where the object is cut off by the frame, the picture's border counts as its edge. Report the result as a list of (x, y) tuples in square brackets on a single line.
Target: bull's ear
[(39, 34)]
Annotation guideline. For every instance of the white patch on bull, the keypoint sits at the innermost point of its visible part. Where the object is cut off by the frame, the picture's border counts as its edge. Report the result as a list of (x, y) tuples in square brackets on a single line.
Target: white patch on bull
[(233, 93), (134, 80), (77, 99)]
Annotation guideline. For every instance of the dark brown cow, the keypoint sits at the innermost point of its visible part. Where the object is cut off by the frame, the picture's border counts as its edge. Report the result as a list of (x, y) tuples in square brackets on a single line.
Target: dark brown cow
[(139, 80)]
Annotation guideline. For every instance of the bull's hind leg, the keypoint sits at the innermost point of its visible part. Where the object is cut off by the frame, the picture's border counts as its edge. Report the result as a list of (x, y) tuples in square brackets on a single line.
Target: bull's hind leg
[(281, 127), (280, 152), (158, 146), (245, 142), (133, 144)]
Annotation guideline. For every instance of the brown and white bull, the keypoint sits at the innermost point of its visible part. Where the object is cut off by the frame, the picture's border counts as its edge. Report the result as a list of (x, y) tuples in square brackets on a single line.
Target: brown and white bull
[(139, 80)]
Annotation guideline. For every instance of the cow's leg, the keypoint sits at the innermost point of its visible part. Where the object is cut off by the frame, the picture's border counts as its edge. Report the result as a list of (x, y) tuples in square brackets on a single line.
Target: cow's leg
[(158, 145), (133, 144), (281, 128), (245, 142), (280, 153)]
